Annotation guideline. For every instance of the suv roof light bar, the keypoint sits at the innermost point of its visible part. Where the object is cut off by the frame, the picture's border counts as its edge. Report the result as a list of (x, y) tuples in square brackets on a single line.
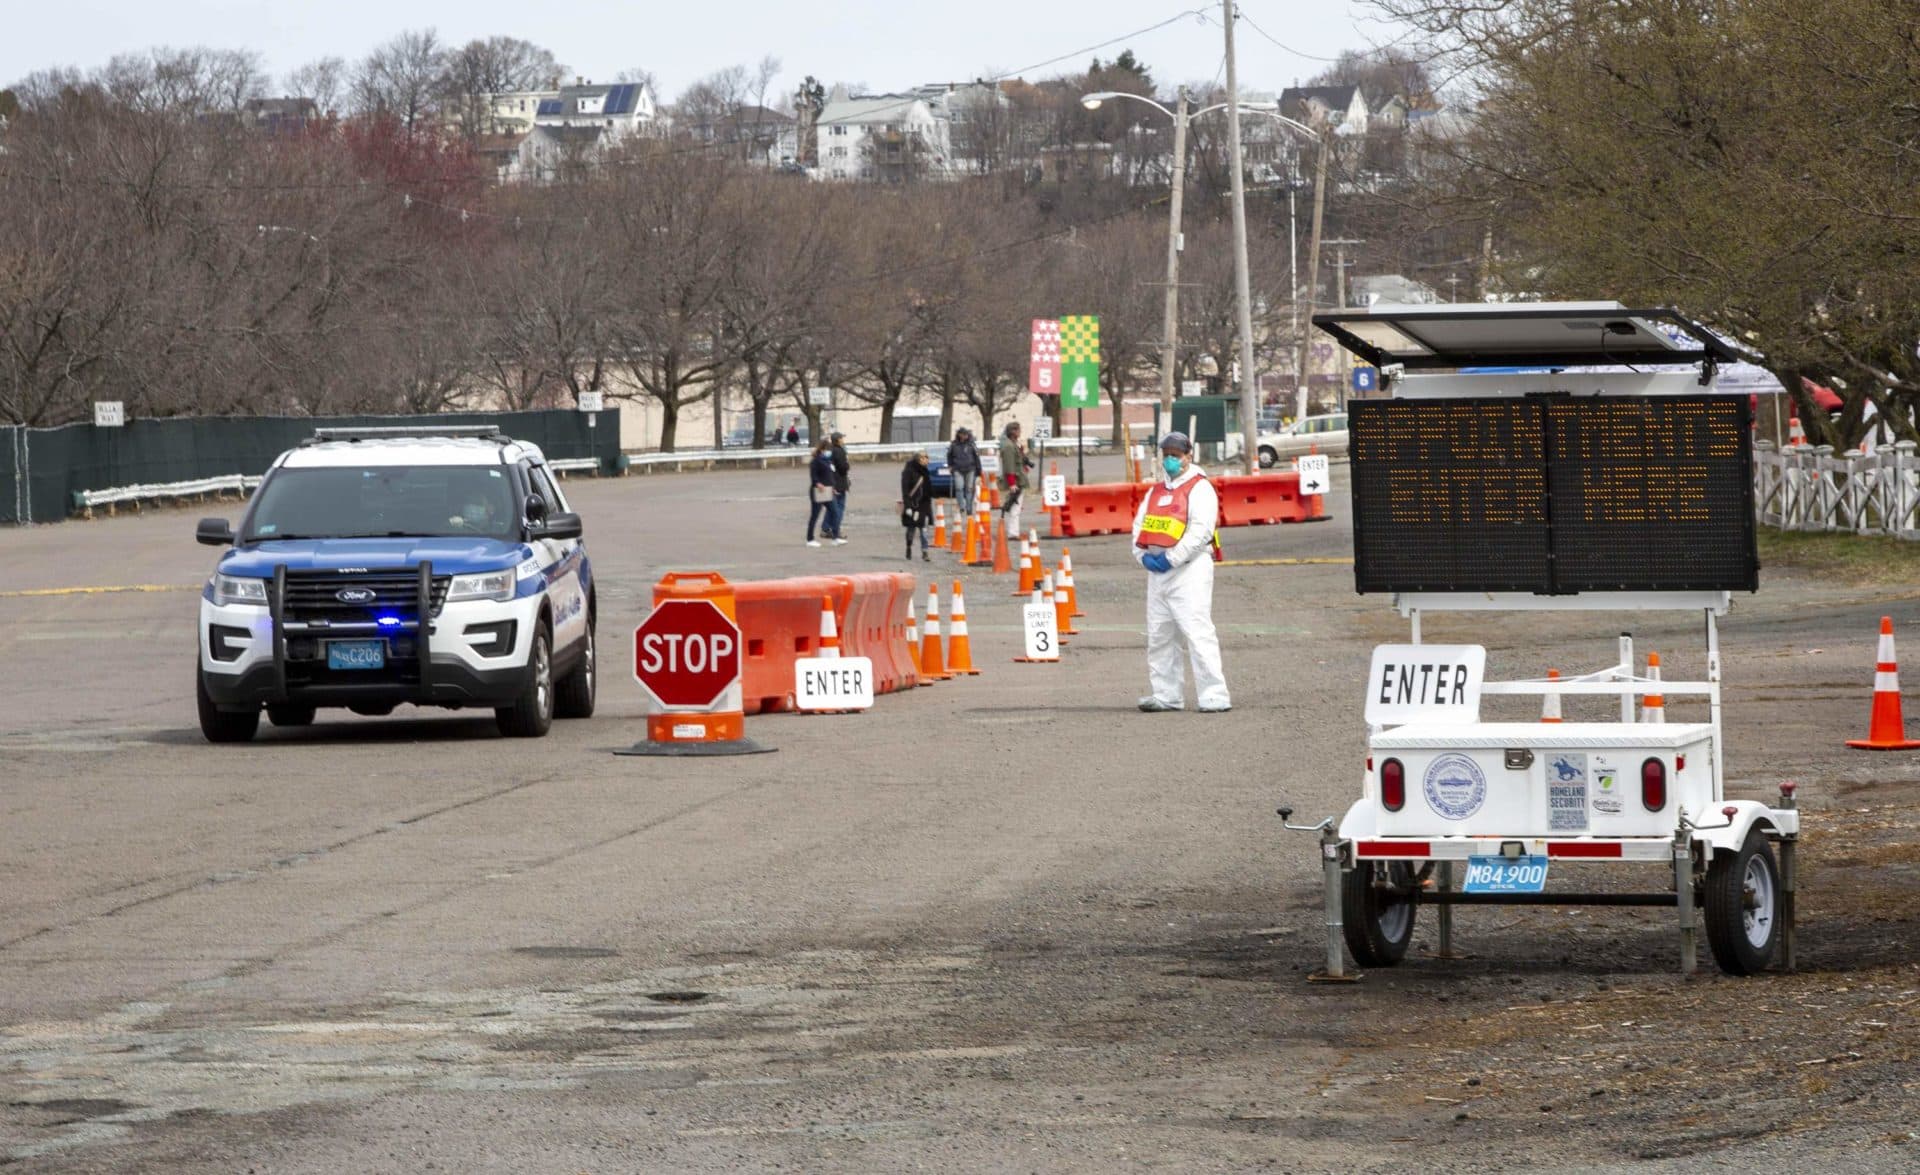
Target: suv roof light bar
[(407, 431)]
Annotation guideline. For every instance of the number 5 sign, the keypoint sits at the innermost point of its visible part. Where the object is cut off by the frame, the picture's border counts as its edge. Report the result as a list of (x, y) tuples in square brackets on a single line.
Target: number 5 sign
[(1043, 371)]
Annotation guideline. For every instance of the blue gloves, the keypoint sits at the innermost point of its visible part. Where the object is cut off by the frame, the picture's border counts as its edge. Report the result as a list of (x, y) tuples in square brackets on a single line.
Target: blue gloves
[(1155, 561)]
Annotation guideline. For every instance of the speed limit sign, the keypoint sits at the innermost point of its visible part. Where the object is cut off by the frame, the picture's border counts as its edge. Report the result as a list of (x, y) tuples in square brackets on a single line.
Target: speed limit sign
[(1053, 489), (1043, 632)]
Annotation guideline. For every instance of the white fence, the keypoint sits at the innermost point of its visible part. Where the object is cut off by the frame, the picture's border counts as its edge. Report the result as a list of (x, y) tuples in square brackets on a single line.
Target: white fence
[(1809, 488)]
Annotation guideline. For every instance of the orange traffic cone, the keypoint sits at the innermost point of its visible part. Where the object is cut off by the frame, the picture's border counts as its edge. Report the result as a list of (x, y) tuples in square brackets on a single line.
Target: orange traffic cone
[(939, 524), (1002, 562), (957, 537), (913, 641), (959, 645), (1654, 709), (1550, 703), (1066, 572), (1887, 730), (930, 667), (1029, 569), (1056, 524), (983, 517), (829, 631), (1796, 433), (1062, 610)]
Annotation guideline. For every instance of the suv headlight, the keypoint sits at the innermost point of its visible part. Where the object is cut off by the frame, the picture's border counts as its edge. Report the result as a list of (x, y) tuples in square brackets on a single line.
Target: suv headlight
[(234, 589), (488, 585)]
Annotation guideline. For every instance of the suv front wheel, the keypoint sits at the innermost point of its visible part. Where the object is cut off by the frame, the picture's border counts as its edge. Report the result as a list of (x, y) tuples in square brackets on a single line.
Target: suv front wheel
[(573, 698), (222, 726), (531, 714)]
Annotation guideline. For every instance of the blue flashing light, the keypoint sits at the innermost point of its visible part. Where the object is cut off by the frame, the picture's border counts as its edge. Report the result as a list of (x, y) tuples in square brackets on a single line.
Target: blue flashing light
[(389, 621)]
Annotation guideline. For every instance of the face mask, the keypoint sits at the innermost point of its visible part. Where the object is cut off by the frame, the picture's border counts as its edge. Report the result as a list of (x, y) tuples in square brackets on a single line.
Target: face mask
[(1171, 465)]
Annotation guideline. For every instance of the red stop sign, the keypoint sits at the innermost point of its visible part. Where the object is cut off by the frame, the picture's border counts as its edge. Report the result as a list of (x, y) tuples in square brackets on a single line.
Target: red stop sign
[(686, 652)]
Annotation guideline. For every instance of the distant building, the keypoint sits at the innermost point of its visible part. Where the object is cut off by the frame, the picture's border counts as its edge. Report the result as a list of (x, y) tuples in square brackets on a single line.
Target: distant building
[(1343, 106), (511, 112), (279, 116), (754, 134), (582, 123), (889, 138)]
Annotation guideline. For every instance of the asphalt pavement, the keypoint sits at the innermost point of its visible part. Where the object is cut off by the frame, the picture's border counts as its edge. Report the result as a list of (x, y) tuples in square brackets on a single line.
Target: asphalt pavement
[(1005, 922)]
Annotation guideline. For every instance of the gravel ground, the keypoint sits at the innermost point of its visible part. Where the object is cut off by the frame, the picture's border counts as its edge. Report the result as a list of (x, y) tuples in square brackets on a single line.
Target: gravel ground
[(1004, 923)]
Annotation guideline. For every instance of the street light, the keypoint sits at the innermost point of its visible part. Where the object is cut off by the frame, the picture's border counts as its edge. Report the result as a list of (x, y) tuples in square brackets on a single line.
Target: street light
[(1170, 326)]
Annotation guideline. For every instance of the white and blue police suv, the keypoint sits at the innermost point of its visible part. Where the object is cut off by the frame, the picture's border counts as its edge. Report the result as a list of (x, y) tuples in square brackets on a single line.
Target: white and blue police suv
[(384, 566)]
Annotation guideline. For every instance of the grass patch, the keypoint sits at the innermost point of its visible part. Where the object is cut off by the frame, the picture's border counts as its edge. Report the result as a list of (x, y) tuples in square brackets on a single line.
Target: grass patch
[(1852, 558)]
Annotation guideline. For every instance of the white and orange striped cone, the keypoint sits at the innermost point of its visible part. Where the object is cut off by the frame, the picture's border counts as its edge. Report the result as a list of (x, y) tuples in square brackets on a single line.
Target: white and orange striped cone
[(959, 645), (829, 631), (1550, 703), (1062, 610), (1796, 433), (1654, 709), (931, 668), (913, 641), (1886, 730), (1029, 569), (939, 524), (1066, 572)]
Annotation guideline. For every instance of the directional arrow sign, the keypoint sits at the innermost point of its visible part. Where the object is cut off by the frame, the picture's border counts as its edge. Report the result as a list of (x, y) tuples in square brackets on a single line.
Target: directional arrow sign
[(1314, 475)]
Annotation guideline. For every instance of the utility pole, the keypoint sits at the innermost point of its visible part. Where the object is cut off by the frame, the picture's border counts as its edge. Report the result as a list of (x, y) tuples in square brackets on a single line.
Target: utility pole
[(1249, 377), (1313, 250), (1170, 322), (1340, 302), (1293, 289)]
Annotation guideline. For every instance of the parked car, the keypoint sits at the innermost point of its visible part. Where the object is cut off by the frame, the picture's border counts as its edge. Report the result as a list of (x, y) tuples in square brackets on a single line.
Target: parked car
[(378, 567), (1324, 434), (941, 476)]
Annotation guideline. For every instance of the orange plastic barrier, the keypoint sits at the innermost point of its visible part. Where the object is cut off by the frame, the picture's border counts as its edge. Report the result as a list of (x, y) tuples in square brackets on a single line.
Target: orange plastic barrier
[(780, 623), (1266, 498), (1098, 509)]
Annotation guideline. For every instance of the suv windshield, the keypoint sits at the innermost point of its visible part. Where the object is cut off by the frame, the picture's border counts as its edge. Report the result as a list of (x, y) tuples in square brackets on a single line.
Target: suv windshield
[(381, 500)]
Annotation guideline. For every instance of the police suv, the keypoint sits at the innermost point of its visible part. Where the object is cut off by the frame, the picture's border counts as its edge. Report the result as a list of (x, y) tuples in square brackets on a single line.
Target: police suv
[(380, 566)]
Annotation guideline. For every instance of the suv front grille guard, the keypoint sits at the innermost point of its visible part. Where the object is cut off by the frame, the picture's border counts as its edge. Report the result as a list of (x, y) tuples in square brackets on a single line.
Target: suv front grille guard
[(427, 596)]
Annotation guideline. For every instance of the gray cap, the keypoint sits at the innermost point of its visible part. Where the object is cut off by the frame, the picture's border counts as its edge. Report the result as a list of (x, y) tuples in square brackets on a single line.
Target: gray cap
[(1176, 441)]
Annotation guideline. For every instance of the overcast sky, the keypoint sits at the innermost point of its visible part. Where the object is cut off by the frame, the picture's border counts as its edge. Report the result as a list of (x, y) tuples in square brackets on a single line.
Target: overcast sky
[(887, 44)]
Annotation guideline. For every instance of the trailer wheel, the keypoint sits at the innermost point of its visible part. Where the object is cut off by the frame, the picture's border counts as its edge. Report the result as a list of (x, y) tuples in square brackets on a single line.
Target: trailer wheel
[(1378, 925), (1743, 906)]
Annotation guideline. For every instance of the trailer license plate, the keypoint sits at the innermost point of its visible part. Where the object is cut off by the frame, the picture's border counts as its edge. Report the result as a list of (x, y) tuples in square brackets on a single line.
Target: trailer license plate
[(356, 654), (1506, 874)]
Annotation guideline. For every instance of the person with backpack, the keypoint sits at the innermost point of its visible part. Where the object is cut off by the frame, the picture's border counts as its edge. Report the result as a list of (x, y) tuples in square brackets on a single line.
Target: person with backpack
[(916, 502)]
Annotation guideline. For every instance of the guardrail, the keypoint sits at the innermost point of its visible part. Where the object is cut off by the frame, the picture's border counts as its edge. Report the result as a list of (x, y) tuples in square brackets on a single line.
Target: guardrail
[(84, 501), (1810, 488), (796, 455)]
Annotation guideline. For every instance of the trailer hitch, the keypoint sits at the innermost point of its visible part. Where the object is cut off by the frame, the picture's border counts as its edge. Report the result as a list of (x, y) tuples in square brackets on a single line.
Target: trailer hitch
[(1330, 869)]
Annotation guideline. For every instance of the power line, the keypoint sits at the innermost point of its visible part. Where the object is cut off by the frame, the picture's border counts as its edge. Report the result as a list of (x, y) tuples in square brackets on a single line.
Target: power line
[(1241, 10)]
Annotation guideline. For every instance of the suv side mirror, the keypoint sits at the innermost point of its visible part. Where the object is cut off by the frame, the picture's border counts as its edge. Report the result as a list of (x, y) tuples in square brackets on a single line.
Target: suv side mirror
[(214, 532), (557, 526), (536, 507)]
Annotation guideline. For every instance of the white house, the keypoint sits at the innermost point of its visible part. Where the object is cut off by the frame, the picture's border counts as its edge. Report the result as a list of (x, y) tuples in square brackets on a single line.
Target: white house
[(1343, 106), (583, 122), (887, 137)]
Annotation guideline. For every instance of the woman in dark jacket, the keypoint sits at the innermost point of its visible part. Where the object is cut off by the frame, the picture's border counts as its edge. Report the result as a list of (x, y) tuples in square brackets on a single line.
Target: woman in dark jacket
[(820, 491), (916, 501)]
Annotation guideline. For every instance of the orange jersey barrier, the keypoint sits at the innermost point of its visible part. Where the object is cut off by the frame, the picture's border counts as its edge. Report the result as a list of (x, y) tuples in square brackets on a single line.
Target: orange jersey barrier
[(1099, 509), (1263, 499), (780, 623)]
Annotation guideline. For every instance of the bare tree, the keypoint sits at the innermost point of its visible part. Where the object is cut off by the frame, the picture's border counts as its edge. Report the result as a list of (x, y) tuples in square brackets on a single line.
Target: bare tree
[(324, 80), (495, 65), (403, 79)]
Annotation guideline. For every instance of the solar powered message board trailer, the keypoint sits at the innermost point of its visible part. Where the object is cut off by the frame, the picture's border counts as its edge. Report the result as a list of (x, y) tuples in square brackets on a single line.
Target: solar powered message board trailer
[(1548, 457)]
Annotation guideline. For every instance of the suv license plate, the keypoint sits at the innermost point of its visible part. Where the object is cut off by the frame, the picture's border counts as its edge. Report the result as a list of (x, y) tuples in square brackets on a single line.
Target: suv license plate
[(356, 654), (1506, 874)]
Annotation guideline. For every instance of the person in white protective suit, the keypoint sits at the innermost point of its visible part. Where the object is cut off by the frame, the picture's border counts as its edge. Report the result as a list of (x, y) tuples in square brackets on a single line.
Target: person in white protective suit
[(1174, 538)]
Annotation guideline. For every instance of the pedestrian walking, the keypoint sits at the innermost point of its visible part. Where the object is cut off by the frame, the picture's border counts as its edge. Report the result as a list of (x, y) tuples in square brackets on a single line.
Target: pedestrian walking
[(842, 483), (1014, 464), (1176, 538), (820, 493), (963, 463), (916, 502), (793, 432)]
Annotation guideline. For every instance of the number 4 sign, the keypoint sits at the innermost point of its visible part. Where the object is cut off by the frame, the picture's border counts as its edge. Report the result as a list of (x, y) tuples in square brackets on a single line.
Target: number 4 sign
[(1079, 343)]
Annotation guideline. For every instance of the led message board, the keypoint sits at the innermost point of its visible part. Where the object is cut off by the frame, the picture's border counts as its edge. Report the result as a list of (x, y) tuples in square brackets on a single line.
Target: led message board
[(1553, 494)]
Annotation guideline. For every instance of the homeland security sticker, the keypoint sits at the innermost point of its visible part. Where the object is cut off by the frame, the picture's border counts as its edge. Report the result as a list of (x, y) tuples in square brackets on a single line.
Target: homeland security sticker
[(1455, 786), (1567, 792)]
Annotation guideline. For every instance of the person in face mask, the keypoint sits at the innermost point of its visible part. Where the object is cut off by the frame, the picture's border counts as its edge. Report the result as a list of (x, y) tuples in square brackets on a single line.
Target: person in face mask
[(1174, 538)]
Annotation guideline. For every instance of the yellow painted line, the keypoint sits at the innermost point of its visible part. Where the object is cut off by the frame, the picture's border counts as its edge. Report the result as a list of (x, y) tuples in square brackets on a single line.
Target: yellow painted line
[(102, 591), (1305, 559)]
